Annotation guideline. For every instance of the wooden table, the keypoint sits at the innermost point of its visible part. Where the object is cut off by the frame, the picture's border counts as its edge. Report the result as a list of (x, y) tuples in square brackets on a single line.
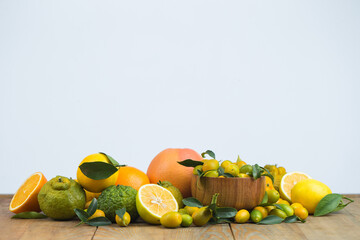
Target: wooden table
[(344, 224)]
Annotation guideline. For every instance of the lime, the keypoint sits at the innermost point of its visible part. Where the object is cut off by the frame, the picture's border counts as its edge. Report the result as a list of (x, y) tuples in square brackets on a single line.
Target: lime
[(287, 209), (212, 173), (256, 216), (247, 169), (263, 211), (60, 196), (273, 196), (186, 220), (198, 167), (191, 210), (278, 212)]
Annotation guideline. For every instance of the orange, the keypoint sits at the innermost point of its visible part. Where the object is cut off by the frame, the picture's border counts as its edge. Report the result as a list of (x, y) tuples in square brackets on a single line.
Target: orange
[(133, 177), (165, 167), (25, 198), (91, 185), (268, 184), (288, 181)]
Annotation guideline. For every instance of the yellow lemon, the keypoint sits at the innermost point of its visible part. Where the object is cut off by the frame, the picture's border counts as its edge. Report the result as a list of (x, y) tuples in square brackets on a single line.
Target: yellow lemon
[(308, 193)]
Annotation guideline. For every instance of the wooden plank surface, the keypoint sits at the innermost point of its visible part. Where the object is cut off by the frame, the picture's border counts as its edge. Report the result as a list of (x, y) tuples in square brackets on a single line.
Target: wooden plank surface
[(344, 224)]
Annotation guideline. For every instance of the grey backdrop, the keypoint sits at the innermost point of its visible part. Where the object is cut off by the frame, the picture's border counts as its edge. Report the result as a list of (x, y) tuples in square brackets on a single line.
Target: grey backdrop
[(273, 81)]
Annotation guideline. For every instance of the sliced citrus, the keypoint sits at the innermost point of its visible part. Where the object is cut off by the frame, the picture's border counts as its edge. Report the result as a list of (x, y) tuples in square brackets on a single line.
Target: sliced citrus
[(288, 181), (153, 201), (25, 198)]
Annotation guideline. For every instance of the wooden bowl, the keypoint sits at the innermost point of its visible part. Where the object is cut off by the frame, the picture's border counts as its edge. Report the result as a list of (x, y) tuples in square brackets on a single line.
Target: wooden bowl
[(236, 192)]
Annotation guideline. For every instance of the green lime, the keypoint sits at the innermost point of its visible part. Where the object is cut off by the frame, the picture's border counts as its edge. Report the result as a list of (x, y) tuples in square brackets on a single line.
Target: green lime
[(183, 211), (60, 196), (186, 220), (256, 216), (273, 196), (212, 173), (198, 167), (278, 212), (247, 169), (287, 209)]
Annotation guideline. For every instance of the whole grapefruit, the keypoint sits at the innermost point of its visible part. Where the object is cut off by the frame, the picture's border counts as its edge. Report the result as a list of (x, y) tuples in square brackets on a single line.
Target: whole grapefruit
[(165, 167)]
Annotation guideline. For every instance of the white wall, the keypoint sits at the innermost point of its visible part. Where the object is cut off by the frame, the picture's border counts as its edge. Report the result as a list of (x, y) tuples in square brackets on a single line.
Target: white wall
[(273, 81)]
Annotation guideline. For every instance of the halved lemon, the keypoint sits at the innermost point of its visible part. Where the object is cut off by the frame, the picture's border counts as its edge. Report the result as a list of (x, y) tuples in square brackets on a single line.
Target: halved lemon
[(25, 198), (153, 201), (288, 181)]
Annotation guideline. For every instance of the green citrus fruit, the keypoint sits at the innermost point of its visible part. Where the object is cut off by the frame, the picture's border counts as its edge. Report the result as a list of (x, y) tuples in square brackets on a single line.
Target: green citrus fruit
[(186, 220), (256, 216)]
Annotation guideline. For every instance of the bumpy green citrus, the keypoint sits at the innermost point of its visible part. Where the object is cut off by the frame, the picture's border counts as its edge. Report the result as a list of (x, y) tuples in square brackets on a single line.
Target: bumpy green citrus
[(60, 196), (117, 197)]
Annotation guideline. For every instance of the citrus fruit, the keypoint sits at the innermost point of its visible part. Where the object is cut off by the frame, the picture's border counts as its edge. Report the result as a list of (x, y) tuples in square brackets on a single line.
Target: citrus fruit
[(183, 211), (198, 167), (288, 181), (153, 201), (191, 210), (60, 196), (256, 216), (278, 212), (92, 185), (242, 216), (118, 197), (171, 219), (247, 169), (240, 163), (282, 201), (97, 213), (296, 205), (301, 212), (212, 173), (287, 209), (25, 199), (210, 165), (268, 184), (186, 220), (269, 208), (233, 169), (273, 196), (165, 167), (124, 221), (133, 177), (91, 195), (225, 163), (309, 192), (175, 192), (263, 211), (202, 216)]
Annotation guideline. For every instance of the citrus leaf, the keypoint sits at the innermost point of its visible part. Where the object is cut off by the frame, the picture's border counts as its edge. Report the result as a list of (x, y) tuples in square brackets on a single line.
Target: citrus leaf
[(190, 163), (99, 221), (214, 198), (208, 152), (192, 202), (327, 204), (225, 212), (224, 220), (291, 219), (120, 212), (212, 207), (97, 170), (265, 198), (92, 208), (271, 219), (268, 174), (256, 171), (279, 206), (111, 159), (29, 215), (82, 215)]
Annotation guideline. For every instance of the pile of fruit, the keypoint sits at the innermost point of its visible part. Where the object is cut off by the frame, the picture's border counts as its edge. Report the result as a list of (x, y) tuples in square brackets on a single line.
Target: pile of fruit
[(105, 192)]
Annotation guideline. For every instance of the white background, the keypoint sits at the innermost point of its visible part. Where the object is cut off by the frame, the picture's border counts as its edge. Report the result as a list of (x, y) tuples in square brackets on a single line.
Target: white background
[(273, 81)]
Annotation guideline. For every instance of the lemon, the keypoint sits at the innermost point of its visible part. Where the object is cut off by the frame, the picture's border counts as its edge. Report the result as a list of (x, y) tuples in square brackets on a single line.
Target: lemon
[(309, 192), (91, 185), (153, 201), (171, 219), (288, 181)]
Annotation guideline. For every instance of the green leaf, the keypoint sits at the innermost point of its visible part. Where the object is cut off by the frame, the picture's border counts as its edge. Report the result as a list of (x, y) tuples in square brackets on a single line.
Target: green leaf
[(271, 219), (120, 213), (225, 212), (291, 219), (192, 202), (112, 160), (229, 175), (268, 174), (224, 220), (214, 198), (29, 215), (190, 163), (82, 215), (98, 170), (328, 204), (265, 198), (256, 171), (99, 221), (208, 152), (212, 207), (92, 208), (221, 171)]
